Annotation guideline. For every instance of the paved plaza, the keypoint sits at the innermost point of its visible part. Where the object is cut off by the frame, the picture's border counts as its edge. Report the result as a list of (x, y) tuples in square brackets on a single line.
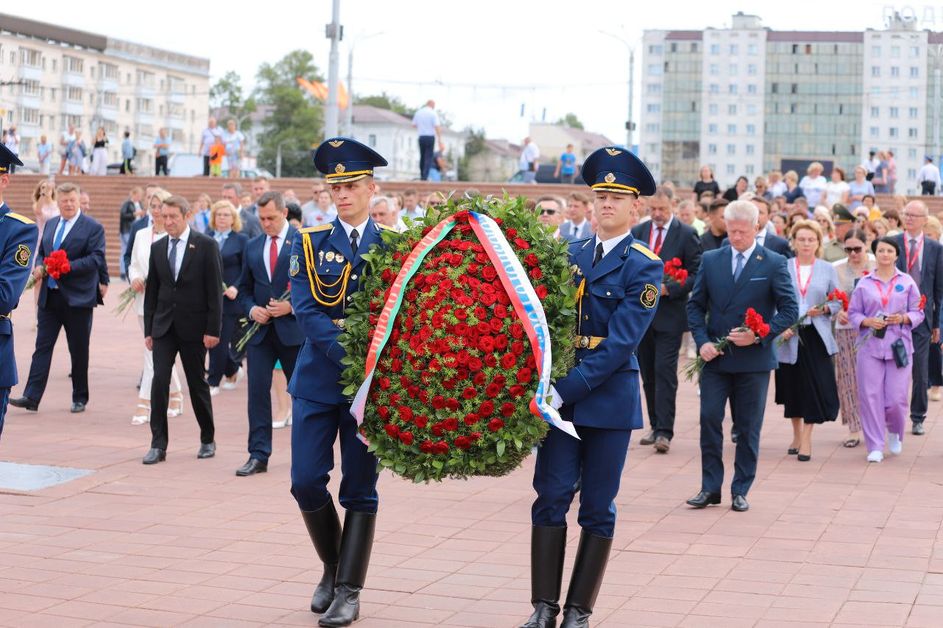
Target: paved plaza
[(830, 542)]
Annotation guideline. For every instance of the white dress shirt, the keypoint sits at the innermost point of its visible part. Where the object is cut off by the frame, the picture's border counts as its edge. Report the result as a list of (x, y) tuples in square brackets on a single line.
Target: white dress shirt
[(746, 257), (68, 226), (361, 228), (608, 245), (279, 243), (653, 236), (181, 249)]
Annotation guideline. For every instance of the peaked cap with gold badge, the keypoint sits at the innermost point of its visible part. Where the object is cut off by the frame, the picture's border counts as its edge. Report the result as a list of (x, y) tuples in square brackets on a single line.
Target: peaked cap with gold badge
[(615, 169), (343, 160)]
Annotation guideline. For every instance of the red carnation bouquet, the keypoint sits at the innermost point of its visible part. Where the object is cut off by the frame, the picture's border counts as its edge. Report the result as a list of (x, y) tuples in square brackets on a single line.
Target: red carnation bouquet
[(55, 265), (835, 295), (752, 321), (674, 272)]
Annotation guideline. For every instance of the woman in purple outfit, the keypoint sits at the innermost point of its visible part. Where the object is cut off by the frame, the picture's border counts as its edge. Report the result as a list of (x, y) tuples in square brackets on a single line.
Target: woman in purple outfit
[(886, 302)]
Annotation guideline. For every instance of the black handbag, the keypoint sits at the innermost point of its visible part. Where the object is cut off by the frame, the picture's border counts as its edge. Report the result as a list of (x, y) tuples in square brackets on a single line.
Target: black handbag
[(900, 353)]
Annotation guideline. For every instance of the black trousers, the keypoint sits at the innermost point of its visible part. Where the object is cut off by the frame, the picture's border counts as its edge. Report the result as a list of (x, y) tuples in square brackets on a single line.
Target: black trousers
[(262, 358), (160, 163), (222, 359), (918, 397), (192, 357), (426, 150), (77, 322), (658, 363), (206, 165)]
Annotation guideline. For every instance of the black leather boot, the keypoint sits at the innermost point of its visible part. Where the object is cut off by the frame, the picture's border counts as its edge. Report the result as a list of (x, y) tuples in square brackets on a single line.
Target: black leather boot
[(356, 543), (588, 570), (324, 528), (547, 546)]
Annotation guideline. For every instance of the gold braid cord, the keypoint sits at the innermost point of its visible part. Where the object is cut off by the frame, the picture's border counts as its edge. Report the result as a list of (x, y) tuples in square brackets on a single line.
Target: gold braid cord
[(319, 289)]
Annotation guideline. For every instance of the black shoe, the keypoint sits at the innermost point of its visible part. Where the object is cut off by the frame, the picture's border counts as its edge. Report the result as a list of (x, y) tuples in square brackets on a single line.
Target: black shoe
[(77, 406), (662, 445), (251, 467), (704, 499), (547, 546), (324, 528), (739, 504), (25, 403), (917, 429), (792, 451), (648, 439), (588, 571), (154, 455), (207, 450), (356, 543), (804, 458)]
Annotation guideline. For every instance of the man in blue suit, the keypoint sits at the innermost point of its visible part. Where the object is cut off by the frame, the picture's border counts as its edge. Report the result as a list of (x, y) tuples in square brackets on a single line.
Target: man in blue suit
[(326, 265), (922, 259), (262, 289), (733, 278), (69, 301), (617, 279), (17, 240)]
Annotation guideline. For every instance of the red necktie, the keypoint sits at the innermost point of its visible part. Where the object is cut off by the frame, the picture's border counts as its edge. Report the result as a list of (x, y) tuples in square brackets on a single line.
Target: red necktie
[(272, 256), (658, 242)]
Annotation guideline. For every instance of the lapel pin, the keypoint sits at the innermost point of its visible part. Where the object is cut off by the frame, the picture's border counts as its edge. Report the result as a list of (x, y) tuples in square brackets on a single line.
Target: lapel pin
[(330, 256), (339, 258), (320, 257), (191, 246)]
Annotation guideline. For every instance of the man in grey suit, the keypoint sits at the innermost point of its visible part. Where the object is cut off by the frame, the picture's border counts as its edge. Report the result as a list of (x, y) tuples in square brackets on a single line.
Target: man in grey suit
[(922, 259)]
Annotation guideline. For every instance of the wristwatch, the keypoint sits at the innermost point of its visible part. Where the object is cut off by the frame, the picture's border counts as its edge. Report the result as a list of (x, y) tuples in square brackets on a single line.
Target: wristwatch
[(756, 338)]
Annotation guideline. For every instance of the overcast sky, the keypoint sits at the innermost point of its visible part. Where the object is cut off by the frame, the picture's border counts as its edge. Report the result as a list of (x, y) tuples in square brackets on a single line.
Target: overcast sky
[(484, 62)]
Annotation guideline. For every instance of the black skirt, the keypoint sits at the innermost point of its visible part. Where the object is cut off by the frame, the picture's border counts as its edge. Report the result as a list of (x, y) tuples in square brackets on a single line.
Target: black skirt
[(807, 389)]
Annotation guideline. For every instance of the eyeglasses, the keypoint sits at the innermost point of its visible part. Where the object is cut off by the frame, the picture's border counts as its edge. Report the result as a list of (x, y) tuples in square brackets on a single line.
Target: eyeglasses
[(547, 212), (909, 215), (853, 249)]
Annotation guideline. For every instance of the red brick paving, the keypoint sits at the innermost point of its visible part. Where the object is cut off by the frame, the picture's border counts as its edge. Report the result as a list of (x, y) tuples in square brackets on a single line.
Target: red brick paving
[(831, 542)]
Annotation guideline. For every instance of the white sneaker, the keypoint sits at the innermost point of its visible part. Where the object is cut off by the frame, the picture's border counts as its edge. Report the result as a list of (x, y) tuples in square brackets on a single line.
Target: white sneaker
[(231, 384), (894, 444), (875, 456), (214, 390)]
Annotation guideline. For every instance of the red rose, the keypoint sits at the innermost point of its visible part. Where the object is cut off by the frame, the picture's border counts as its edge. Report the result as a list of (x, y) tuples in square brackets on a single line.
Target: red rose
[(462, 442), (500, 343), (516, 391), (489, 298), (535, 273), (486, 344), (451, 424), (495, 424), (541, 292), (483, 329), (496, 324), (486, 408), (489, 273), (474, 436), (451, 403), (427, 447), (521, 244), (437, 429), (384, 383), (517, 330), (474, 364), (421, 421), (384, 413), (460, 314), (391, 430), (508, 360), (470, 419), (469, 393), (405, 413), (438, 402), (492, 390), (500, 311), (517, 347), (479, 378), (507, 409), (406, 438), (441, 447), (396, 366), (531, 260), (523, 376), (511, 233), (491, 361)]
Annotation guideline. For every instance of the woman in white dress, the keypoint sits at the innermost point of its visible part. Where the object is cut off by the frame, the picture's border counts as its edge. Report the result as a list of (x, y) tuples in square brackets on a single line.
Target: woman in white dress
[(137, 274)]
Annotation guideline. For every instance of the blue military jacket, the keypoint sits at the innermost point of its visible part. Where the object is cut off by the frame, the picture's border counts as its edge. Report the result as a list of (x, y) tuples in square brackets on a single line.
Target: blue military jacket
[(323, 277), (18, 236), (618, 301)]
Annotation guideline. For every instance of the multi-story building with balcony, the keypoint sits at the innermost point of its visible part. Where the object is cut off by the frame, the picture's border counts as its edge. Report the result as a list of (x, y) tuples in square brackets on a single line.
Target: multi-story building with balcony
[(63, 76)]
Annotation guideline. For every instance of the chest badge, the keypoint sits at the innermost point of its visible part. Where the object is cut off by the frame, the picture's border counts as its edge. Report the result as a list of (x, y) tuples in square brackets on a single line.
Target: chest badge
[(294, 267), (22, 254), (339, 258), (330, 256), (649, 296)]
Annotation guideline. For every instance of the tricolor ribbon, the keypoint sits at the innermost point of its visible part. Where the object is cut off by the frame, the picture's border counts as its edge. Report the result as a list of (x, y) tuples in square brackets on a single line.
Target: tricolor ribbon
[(518, 287)]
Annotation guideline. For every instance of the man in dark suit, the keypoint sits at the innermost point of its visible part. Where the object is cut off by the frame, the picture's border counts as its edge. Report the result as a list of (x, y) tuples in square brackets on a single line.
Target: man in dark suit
[(922, 259), (731, 279), (764, 235), (250, 224), (262, 289), (716, 232), (668, 238), (183, 304), (69, 301), (577, 225)]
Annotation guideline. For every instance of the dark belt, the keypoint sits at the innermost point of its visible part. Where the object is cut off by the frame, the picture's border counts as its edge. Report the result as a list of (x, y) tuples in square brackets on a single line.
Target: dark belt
[(587, 342)]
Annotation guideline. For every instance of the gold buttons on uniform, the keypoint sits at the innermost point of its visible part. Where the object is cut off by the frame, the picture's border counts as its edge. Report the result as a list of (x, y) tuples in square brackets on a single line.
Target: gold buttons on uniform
[(586, 317)]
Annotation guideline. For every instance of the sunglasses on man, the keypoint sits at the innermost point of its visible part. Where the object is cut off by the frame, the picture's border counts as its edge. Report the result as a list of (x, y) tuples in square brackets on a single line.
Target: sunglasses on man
[(547, 212)]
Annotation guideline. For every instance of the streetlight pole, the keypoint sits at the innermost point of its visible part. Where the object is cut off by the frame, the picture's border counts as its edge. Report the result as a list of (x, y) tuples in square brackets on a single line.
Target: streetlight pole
[(334, 32), (629, 124)]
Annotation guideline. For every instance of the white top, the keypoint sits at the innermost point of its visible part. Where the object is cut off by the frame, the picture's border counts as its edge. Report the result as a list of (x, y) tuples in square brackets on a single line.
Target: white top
[(279, 243), (929, 172), (529, 155), (778, 189), (834, 191), (805, 272), (813, 188), (608, 245), (208, 138), (425, 120), (746, 257), (312, 215), (140, 259)]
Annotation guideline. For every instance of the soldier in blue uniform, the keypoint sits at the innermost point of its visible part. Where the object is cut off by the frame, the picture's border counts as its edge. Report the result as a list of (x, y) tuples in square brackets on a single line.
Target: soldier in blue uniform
[(18, 236), (325, 267), (617, 279)]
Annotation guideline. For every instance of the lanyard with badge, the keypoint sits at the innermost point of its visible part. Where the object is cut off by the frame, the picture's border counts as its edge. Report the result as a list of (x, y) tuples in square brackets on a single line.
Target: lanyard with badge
[(803, 289), (886, 296)]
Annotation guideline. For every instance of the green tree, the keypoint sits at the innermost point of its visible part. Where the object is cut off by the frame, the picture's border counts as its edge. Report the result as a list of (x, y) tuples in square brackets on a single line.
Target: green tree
[(474, 144), (388, 102), (571, 121), (227, 92), (296, 121)]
